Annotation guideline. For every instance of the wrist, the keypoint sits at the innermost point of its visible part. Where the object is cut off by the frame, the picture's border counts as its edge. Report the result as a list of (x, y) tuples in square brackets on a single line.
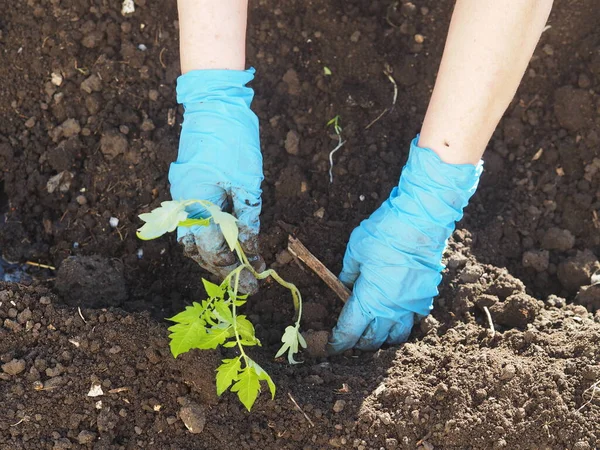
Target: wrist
[(214, 85)]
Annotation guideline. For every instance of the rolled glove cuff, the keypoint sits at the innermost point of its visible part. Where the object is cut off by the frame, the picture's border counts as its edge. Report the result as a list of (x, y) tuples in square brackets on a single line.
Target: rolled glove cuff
[(199, 86), (413, 226)]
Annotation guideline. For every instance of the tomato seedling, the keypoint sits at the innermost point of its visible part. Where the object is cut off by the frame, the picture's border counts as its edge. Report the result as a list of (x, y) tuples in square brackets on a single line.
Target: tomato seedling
[(215, 321)]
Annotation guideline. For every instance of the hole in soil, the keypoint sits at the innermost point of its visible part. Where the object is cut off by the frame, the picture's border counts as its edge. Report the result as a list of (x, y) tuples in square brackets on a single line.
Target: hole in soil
[(3, 199)]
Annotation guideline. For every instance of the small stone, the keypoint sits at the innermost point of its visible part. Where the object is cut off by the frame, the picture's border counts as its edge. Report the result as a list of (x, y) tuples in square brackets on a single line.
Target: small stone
[(355, 36), (391, 443), (86, 437), (508, 372), (153, 95), (30, 123), (91, 84), (284, 257), (113, 222), (24, 316), (171, 420), (81, 200), (56, 79), (419, 38), (292, 143), (14, 367), (147, 125), (548, 50), (113, 144), (70, 127), (339, 406), (193, 417), (319, 213)]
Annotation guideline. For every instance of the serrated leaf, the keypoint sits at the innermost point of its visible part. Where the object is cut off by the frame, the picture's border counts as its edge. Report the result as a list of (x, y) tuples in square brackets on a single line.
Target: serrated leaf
[(223, 312), (290, 341), (161, 220), (264, 376), (226, 222), (247, 386), (213, 290), (245, 328), (189, 314), (227, 373), (185, 336), (213, 338)]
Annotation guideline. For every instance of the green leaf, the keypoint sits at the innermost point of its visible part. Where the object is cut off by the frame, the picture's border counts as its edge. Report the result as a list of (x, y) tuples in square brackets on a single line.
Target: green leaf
[(185, 336), (213, 290), (290, 339), (245, 328), (162, 220), (226, 222), (263, 376), (326, 71), (227, 373), (230, 344), (214, 337), (247, 386), (223, 312), (189, 314)]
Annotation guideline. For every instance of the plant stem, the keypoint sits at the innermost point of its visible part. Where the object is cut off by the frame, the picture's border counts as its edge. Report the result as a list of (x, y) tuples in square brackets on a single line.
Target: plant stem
[(296, 296), (236, 275)]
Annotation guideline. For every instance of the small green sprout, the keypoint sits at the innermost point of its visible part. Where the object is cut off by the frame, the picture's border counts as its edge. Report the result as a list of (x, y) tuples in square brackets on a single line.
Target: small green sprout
[(326, 71), (215, 321), (335, 122)]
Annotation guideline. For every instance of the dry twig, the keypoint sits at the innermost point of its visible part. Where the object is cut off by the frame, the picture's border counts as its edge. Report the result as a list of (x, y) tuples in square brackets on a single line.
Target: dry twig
[(300, 409), (297, 249)]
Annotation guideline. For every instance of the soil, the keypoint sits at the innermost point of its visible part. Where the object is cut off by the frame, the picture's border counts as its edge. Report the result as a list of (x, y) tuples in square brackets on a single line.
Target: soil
[(88, 127)]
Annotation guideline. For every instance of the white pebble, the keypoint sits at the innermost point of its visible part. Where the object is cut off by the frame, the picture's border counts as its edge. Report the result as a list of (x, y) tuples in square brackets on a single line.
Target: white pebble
[(140, 253), (128, 7), (361, 198), (142, 47), (114, 222), (56, 79)]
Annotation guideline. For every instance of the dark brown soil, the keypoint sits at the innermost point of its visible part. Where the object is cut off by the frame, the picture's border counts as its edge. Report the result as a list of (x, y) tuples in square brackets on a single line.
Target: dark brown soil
[(104, 121)]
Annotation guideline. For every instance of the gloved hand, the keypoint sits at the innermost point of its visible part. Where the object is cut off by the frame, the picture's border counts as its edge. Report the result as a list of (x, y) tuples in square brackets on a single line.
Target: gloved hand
[(219, 160), (393, 259)]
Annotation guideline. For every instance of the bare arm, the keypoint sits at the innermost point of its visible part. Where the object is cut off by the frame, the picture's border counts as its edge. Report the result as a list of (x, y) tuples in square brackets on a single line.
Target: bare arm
[(212, 34), (489, 45)]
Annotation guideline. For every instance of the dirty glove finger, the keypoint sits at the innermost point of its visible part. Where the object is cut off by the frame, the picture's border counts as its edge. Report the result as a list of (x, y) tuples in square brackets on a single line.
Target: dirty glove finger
[(350, 269), (400, 332), (375, 334), (246, 207), (350, 327)]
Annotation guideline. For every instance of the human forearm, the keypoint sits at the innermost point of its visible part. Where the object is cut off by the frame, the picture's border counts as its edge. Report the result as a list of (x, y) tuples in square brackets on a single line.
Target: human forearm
[(212, 34), (489, 45)]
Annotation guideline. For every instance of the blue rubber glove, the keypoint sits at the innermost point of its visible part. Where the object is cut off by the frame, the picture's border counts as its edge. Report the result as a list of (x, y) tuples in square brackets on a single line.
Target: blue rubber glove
[(219, 160), (393, 259)]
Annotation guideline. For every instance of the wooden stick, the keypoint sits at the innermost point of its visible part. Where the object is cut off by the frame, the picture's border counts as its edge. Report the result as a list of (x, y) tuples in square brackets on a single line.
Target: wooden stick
[(296, 248)]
